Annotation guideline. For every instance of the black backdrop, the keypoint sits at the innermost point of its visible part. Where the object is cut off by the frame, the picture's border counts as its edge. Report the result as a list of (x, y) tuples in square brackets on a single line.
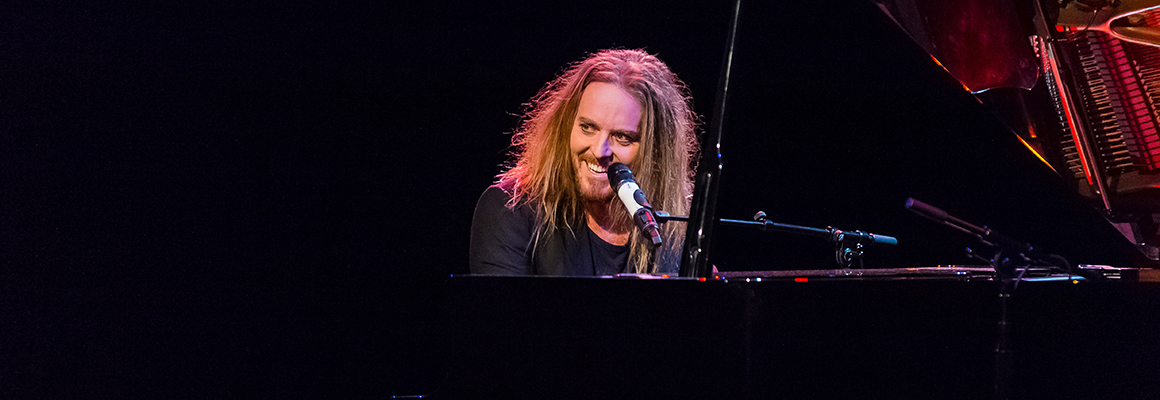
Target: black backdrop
[(224, 199)]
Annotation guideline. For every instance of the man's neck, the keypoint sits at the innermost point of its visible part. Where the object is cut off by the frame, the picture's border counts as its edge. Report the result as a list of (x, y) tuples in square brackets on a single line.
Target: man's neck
[(601, 222)]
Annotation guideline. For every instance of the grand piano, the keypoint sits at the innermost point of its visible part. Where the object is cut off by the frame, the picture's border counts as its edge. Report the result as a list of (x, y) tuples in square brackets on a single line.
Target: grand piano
[(837, 116), (816, 337)]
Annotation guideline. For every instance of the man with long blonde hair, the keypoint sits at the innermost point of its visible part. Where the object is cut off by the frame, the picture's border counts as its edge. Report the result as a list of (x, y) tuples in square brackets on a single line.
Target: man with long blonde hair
[(553, 212)]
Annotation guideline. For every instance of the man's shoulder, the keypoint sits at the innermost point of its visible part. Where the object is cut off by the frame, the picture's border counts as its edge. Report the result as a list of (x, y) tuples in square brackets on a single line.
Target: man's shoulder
[(495, 195), (500, 235), (498, 199)]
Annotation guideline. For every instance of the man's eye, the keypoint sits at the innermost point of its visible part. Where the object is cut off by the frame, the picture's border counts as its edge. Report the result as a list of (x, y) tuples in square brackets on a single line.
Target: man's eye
[(586, 127)]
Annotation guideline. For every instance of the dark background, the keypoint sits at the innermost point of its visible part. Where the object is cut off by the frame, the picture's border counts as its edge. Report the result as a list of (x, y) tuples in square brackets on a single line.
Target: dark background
[(224, 199)]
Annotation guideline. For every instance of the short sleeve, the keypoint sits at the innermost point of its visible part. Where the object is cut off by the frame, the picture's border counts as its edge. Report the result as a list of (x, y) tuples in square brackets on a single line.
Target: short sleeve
[(500, 236)]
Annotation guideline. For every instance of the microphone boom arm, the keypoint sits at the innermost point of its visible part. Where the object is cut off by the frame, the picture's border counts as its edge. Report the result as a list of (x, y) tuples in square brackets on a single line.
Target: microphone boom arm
[(849, 244)]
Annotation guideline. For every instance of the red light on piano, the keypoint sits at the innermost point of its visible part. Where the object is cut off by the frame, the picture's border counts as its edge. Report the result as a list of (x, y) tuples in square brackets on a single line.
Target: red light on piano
[(801, 279), (940, 64), (1036, 152)]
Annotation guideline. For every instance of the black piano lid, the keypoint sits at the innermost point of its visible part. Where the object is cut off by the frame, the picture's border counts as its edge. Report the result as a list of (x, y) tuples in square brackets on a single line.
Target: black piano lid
[(836, 117)]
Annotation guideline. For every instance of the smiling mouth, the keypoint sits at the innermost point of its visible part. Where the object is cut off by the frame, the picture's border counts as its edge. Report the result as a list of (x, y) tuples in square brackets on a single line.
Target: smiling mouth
[(596, 169)]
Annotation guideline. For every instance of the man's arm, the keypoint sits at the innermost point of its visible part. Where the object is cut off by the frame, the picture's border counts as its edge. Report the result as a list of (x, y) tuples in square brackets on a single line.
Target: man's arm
[(500, 236)]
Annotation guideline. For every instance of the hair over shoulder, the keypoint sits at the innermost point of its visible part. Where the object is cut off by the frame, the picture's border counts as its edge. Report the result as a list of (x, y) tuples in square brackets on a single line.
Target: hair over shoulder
[(541, 174)]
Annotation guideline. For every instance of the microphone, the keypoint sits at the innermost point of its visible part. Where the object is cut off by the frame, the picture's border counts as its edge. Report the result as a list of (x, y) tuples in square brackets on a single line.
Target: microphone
[(987, 235), (837, 235), (926, 210), (620, 177)]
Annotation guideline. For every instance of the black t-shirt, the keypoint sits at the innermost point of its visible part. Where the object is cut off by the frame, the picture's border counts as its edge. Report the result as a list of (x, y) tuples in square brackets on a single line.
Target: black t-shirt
[(502, 243), (607, 258)]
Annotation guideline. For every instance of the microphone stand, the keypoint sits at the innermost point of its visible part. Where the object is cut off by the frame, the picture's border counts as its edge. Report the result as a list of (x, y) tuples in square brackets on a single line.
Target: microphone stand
[(1005, 268), (849, 244)]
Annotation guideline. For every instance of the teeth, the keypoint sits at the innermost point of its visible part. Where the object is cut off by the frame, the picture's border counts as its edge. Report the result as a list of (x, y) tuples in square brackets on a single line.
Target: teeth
[(595, 168)]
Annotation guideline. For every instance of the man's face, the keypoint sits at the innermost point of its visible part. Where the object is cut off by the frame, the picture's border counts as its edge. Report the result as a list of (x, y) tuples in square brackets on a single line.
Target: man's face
[(604, 132)]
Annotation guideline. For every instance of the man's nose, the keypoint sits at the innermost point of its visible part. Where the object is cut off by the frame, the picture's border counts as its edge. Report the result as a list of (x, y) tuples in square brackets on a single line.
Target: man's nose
[(604, 146)]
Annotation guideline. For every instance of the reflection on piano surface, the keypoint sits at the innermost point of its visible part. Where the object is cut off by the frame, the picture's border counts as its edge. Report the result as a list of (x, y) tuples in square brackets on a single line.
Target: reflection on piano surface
[(1128, 20)]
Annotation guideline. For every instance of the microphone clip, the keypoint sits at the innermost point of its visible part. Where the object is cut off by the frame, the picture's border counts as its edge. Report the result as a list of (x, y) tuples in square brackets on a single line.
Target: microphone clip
[(848, 246)]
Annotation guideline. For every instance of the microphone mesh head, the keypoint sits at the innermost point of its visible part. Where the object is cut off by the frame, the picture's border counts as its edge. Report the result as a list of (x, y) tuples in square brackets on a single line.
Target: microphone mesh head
[(618, 174)]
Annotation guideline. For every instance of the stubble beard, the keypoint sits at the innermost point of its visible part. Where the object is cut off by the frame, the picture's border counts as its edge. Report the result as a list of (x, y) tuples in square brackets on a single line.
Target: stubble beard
[(594, 191), (597, 196), (593, 188)]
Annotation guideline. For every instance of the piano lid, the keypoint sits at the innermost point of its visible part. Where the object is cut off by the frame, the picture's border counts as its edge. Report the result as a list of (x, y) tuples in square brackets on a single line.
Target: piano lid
[(980, 42), (837, 116)]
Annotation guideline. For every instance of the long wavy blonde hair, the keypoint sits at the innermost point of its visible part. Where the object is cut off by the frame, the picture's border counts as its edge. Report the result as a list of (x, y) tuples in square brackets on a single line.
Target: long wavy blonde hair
[(542, 172)]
